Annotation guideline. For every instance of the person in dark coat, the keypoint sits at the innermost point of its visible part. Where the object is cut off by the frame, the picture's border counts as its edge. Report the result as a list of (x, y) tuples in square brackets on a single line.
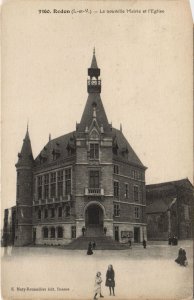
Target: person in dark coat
[(89, 252), (169, 240), (105, 230), (94, 245), (182, 258), (130, 244), (83, 230), (144, 244), (110, 279)]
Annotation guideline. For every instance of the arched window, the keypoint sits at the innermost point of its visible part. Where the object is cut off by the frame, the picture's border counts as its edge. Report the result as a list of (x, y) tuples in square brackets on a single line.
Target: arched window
[(52, 232), (60, 232), (39, 214), (45, 233)]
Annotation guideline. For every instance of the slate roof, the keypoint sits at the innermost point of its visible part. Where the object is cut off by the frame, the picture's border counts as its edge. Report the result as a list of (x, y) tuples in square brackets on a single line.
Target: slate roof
[(60, 144), (25, 157), (124, 145), (87, 116), (160, 205), (94, 62)]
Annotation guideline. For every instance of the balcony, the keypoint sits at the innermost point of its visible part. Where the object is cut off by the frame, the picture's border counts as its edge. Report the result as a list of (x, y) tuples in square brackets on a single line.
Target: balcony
[(94, 192)]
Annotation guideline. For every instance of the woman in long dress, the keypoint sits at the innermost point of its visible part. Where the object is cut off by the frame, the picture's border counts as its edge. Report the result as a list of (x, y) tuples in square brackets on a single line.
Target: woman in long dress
[(89, 252), (97, 287), (110, 279)]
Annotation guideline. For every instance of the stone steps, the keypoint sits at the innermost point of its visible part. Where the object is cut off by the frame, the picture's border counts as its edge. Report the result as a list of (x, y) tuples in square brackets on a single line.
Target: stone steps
[(102, 243)]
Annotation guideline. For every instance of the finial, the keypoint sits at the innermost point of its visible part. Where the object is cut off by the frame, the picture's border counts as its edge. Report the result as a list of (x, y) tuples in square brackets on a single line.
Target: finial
[(49, 137), (94, 50), (121, 127)]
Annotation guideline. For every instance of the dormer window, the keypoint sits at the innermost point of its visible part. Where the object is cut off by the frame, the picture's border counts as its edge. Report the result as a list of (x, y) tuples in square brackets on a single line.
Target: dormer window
[(94, 151)]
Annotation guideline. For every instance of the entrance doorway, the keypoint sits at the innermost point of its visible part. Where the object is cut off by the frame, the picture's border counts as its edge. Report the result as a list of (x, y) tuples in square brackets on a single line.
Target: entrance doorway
[(94, 216), (136, 234), (94, 220)]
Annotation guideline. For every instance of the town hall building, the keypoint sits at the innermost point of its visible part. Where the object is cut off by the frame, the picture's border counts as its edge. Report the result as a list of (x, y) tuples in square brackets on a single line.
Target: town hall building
[(88, 179)]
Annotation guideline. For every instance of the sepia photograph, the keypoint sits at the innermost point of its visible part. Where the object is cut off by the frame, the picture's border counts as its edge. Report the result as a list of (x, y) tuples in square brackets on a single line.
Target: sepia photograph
[(97, 150)]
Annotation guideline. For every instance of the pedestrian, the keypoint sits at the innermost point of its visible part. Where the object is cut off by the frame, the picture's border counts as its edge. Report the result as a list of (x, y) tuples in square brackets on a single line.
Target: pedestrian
[(89, 252), (97, 286), (169, 240), (129, 243), (83, 230), (105, 230), (94, 245), (144, 244), (110, 279), (182, 258)]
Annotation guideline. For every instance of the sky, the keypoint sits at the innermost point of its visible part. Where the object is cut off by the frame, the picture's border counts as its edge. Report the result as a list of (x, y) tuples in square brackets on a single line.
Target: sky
[(146, 72)]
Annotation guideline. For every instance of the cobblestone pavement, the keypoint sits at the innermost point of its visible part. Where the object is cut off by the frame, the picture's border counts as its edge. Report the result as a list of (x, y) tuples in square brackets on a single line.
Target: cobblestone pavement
[(139, 273)]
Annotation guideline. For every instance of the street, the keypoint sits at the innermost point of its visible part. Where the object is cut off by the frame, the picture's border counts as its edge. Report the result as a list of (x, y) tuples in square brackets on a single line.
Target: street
[(53, 273)]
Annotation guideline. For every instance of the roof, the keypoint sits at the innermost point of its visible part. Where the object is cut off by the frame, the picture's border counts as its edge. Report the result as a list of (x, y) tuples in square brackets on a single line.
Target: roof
[(25, 157), (87, 116), (160, 205), (169, 185), (123, 145), (60, 145), (94, 62)]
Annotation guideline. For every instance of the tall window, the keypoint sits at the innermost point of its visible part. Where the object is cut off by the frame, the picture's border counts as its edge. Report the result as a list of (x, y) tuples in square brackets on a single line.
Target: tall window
[(136, 193), (94, 151), (39, 187), (136, 212), (46, 186), (52, 232), (67, 181), (59, 232), (73, 232), (94, 179), (52, 212), (116, 169), (116, 188), (126, 191), (116, 210), (45, 233), (60, 212), (53, 185), (39, 214), (60, 183), (46, 213)]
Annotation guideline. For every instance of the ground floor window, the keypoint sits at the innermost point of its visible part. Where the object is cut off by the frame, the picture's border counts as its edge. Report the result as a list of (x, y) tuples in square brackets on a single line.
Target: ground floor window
[(52, 232), (60, 232), (45, 233), (73, 232)]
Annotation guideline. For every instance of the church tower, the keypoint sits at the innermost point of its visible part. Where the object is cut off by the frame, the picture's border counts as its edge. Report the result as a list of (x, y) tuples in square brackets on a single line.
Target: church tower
[(94, 161), (24, 169)]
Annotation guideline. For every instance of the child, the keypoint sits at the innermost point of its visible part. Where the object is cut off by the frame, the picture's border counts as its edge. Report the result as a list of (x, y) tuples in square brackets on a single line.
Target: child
[(97, 287)]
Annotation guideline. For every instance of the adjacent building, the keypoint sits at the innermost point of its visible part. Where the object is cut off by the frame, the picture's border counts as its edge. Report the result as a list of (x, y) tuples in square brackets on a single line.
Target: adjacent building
[(169, 210)]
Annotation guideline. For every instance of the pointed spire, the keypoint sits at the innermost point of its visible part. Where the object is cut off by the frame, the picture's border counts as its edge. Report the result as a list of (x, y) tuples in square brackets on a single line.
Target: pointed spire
[(25, 157), (94, 61), (121, 127)]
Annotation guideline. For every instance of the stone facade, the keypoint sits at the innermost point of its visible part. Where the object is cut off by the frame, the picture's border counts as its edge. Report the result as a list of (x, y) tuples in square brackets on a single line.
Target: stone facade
[(89, 178), (169, 210)]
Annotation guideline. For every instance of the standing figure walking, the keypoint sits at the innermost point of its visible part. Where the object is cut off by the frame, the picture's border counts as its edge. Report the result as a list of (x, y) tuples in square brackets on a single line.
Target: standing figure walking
[(110, 279), (97, 287), (89, 252), (144, 244)]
